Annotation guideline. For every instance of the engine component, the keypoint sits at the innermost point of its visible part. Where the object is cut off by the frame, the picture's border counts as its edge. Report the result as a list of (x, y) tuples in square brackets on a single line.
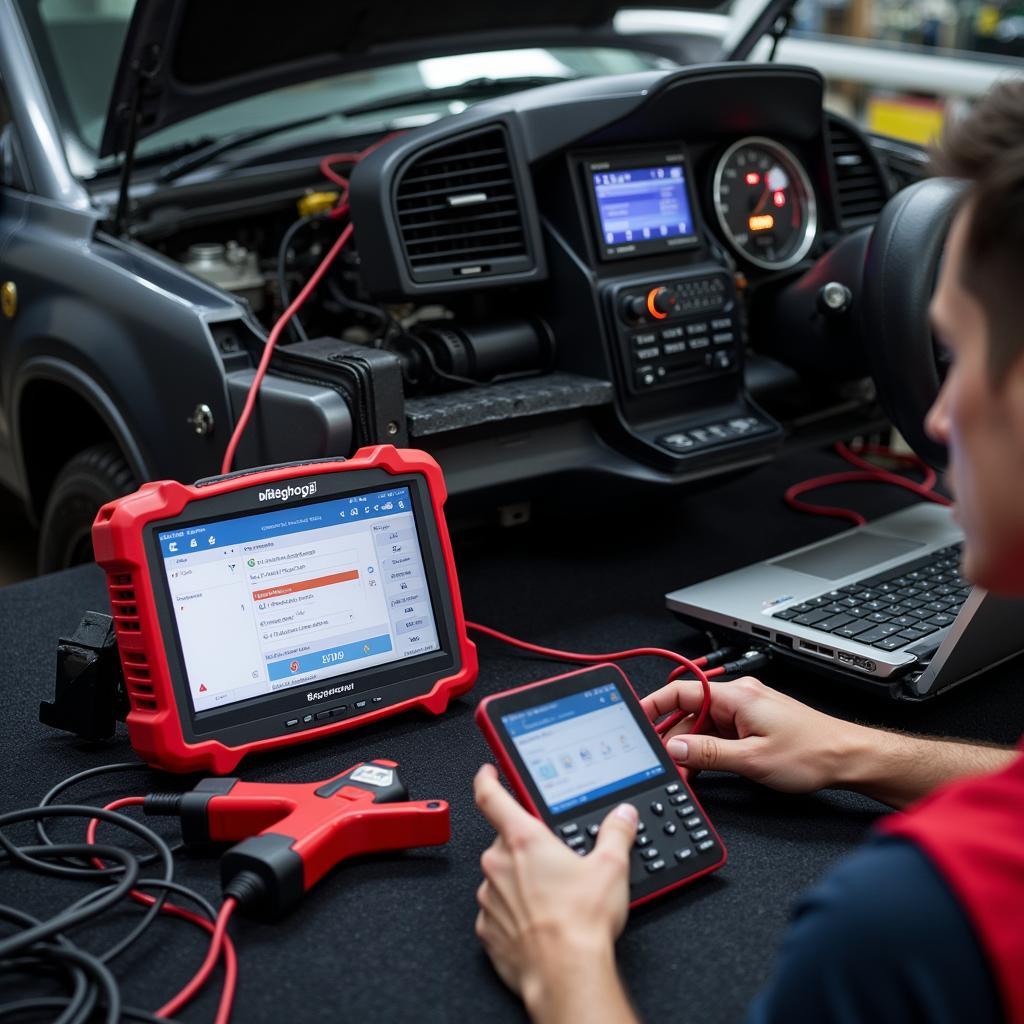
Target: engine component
[(229, 266), (440, 355)]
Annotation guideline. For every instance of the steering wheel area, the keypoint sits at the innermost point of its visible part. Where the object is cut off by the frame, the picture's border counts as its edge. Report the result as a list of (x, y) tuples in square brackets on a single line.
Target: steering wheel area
[(900, 271)]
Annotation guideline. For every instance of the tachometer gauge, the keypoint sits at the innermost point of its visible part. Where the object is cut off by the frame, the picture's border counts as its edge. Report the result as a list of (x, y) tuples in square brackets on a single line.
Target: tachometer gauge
[(765, 203)]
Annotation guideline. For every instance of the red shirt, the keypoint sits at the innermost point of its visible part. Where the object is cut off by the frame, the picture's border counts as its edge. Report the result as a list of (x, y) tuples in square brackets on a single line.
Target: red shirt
[(973, 832)]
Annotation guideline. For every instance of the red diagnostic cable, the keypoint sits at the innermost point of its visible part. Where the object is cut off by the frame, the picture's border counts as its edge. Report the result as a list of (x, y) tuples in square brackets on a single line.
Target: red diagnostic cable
[(866, 472), (220, 940), (275, 334), (339, 210), (684, 666)]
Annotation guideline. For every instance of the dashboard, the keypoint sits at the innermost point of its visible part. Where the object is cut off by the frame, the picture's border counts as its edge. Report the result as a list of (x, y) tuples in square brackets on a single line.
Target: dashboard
[(643, 219)]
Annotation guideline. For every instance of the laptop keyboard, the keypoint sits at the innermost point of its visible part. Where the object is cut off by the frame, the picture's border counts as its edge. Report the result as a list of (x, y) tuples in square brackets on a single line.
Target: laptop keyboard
[(893, 608)]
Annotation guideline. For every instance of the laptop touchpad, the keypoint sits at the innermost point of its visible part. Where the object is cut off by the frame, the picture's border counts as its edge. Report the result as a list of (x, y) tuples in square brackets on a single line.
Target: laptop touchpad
[(847, 555)]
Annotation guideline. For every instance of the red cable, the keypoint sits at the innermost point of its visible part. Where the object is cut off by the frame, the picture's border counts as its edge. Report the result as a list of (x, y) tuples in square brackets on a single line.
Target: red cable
[(866, 472), (199, 978), (217, 942), (327, 170), (684, 664), (275, 334)]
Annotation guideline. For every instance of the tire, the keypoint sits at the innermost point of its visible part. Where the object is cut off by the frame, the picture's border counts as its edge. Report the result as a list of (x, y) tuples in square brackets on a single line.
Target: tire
[(88, 480)]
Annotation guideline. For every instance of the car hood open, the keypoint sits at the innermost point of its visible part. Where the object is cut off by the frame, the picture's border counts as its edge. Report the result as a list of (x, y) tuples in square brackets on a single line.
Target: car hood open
[(184, 57)]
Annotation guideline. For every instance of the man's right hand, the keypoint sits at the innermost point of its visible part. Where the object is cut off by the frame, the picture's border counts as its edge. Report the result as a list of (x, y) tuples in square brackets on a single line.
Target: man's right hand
[(756, 732), (773, 739)]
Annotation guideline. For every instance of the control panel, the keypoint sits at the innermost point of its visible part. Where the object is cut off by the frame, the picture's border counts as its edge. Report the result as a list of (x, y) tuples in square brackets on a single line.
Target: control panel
[(673, 330)]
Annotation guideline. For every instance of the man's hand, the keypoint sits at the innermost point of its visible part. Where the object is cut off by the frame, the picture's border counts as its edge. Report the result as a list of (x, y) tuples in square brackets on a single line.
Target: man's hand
[(756, 732), (548, 917), (773, 739)]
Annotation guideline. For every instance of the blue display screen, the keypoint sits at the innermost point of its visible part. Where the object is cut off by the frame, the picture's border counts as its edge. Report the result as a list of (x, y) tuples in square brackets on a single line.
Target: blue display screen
[(298, 596), (643, 204), (581, 748)]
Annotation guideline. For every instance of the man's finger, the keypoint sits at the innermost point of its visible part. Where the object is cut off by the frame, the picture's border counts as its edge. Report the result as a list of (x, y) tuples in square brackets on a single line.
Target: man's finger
[(618, 832), (498, 806), (680, 695), (712, 753)]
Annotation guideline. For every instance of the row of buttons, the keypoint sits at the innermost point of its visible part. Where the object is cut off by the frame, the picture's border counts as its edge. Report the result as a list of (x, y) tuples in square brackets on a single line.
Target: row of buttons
[(576, 838), (338, 711), (713, 433)]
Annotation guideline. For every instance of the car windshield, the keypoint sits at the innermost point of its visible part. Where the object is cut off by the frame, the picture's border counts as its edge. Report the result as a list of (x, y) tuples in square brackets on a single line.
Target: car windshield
[(79, 42)]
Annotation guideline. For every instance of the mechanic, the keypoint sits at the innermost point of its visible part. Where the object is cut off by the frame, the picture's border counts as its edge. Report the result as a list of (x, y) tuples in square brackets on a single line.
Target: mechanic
[(922, 923)]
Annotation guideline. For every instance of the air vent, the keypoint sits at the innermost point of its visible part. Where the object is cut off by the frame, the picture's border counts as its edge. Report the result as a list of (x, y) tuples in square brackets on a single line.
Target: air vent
[(128, 627), (460, 213), (861, 187)]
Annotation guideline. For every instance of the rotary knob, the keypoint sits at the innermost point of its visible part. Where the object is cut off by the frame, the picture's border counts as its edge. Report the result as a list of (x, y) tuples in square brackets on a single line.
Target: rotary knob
[(634, 309), (660, 302)]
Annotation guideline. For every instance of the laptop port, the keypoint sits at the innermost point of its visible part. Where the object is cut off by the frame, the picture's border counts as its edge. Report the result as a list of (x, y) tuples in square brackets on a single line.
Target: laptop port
[(783, 641), (827, 651), (805, 646), (846, 659), (761, 631)]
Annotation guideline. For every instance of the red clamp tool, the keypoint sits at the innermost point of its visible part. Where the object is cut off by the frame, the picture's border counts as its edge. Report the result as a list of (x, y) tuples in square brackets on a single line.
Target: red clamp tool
[(292, 834)]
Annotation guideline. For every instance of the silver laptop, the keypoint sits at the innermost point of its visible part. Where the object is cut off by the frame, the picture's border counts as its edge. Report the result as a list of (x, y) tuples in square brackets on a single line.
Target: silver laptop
[(884, 603)]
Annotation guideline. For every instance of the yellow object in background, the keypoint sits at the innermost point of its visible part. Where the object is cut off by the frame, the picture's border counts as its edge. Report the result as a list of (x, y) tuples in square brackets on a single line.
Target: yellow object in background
[(905, 117), (313, 203), (986, 21)]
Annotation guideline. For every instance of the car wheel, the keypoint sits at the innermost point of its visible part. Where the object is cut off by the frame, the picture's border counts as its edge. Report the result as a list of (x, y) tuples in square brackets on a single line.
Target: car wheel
[(87, 481)]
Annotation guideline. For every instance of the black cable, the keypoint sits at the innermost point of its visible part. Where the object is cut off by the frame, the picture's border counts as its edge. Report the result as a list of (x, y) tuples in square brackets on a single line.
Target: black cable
[(295, 324), (80, 1004), (41, 947), (338, 294), (37, 859), (89, 773)]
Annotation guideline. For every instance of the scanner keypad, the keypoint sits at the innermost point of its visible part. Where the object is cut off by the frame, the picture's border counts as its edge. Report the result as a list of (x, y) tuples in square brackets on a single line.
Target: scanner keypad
[(668, 846)]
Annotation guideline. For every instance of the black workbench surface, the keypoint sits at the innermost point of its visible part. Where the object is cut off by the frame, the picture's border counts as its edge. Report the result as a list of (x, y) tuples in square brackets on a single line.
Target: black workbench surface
[(391, 938)]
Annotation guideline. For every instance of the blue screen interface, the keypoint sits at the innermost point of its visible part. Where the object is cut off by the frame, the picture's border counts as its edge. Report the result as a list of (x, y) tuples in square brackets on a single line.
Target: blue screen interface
[(298, 596), (643, 204), (581, 748)]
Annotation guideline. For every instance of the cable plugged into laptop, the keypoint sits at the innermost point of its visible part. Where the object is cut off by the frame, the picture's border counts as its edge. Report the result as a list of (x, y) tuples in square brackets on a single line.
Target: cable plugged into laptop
[(756, 659)]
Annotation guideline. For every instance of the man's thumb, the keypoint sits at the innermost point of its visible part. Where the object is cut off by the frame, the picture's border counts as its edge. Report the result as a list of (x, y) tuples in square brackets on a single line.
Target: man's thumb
[(618, 830)]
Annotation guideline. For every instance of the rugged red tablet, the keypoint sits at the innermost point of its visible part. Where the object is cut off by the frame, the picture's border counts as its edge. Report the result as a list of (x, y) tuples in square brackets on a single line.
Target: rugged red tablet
[(279, 604), (574, 746)]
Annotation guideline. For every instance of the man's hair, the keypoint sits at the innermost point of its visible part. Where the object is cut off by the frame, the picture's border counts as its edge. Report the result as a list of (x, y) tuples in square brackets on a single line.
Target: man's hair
[(986, 148)]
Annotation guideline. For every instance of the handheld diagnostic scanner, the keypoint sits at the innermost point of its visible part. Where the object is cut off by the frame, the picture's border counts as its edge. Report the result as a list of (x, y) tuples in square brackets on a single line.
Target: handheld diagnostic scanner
[(276, 605), (575, 746)]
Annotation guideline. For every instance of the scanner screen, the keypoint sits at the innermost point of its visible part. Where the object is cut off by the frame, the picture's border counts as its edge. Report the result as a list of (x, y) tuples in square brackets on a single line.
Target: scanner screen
[(299, 596), (581, 748)]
